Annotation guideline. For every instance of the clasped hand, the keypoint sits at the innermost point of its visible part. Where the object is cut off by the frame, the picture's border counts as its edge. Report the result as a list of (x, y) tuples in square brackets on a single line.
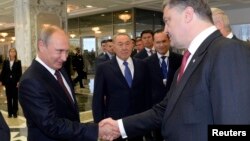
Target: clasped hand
[(108, 129)]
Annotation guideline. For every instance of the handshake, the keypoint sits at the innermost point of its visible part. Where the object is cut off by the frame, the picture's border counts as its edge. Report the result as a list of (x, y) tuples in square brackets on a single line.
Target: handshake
[(108, 129)]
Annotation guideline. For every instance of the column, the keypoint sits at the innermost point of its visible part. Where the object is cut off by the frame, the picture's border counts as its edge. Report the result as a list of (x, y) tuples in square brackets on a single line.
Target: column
[(30, 15)]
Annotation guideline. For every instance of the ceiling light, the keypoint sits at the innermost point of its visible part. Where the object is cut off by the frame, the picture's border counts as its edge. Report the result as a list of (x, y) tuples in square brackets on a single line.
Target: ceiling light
[(13, 38), (2, 40), (95, 28), (98, 32), (121, 30), (72, 35), (4, 34), (125, 17), (89, 6)]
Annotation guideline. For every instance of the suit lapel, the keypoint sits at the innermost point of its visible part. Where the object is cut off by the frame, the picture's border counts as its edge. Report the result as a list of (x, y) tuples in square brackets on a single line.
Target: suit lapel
[(157, 68), (48, 78), (65, 75), (193, 64)]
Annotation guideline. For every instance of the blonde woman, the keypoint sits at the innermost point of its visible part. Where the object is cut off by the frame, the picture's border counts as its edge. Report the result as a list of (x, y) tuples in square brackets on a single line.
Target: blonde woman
[(9, 77)]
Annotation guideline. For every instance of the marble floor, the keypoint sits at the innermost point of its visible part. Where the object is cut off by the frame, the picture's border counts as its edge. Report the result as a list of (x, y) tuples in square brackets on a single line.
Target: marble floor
[(18, 125)]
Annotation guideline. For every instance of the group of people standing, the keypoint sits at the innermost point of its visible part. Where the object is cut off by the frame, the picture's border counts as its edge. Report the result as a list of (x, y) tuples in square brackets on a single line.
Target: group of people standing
[(152, 70)]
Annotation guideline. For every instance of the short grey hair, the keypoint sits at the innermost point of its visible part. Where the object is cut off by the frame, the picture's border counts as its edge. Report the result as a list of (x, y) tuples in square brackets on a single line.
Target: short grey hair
[(120, 34), (46, 32)]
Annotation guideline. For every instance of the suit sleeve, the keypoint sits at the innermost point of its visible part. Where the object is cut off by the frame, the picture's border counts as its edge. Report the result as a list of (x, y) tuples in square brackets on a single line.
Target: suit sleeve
[(3, 72), (4, 129), (19, 71), (98, 106), (37, 103), (142, 123)]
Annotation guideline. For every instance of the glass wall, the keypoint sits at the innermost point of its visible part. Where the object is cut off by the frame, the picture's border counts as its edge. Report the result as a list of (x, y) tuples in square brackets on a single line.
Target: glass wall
[(103, 26)]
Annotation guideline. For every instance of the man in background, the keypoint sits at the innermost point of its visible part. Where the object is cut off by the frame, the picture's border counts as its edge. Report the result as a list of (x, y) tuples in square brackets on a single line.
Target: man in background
[(147, 41), (109, 53), (162, 66), (78, 65), (221, 21)]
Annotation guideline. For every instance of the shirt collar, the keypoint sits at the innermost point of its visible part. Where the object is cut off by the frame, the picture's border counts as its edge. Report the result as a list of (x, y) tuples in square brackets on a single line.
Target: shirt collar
[(52, 71), (230, 35), (148, 50), (166, 54), (197, 41), (120, 61)]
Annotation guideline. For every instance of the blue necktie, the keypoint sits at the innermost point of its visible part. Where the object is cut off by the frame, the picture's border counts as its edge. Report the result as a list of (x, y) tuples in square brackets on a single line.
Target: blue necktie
[(164, 67), (127, 74)]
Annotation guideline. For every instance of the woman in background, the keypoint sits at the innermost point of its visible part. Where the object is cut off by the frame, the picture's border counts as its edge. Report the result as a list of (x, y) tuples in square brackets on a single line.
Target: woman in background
[(9, 77)]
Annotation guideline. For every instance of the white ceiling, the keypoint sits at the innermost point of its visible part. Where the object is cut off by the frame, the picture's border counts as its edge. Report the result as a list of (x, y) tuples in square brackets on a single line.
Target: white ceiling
[(101, 6)]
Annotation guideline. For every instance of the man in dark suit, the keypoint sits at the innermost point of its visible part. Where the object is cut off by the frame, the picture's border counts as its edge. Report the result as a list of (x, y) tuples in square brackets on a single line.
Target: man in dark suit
[(47, 97), (162, 66), (103, 47), (78, 65), (4, 129), (211, 88), (116, 94), (147, 41), (108, 54)]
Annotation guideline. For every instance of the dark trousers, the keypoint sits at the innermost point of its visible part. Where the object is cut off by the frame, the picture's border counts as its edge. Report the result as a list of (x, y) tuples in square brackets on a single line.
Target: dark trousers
[(79, 78), (12, 100)]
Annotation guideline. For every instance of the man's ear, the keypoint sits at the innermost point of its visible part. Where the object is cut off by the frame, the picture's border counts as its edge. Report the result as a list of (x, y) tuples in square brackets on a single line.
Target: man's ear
[(189, 14), (41, 45)]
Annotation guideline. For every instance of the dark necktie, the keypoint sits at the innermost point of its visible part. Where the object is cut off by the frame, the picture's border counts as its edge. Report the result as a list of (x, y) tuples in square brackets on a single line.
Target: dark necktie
[(164, 67), (127, 73), (183, 64), (60, 80), (151, 52)]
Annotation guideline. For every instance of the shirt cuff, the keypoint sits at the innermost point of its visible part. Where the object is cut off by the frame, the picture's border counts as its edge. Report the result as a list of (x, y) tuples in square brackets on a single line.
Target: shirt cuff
[(121, 128)]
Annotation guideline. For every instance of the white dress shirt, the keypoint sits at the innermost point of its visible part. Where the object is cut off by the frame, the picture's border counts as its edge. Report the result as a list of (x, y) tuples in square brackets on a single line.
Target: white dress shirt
[(52, 71), (122, 67)]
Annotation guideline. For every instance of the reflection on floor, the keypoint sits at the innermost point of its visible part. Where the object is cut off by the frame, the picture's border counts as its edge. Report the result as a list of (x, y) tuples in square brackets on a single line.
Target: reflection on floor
[(18, 125)]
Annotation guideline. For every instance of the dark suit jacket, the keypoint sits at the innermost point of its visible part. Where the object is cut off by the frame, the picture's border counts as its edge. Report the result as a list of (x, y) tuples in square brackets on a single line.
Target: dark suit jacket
[(102, 58), (10, 76), (4, 129), (134, 52), (142, 54), (158, 89), (120, 99), (49, 113), (235, 38), (213, 90)]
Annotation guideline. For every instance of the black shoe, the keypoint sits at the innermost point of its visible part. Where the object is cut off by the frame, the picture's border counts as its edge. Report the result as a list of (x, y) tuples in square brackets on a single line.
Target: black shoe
[(9, 116), (15, 115)]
